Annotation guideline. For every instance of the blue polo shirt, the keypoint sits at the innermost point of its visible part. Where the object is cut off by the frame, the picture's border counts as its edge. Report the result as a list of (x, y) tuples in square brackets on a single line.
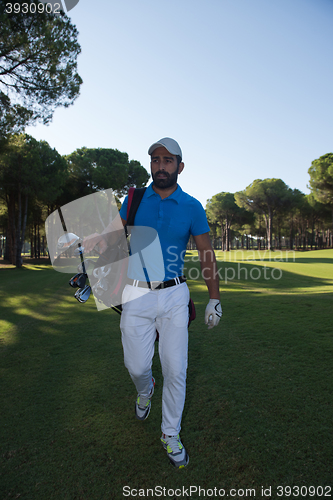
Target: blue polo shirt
[(175, 218)]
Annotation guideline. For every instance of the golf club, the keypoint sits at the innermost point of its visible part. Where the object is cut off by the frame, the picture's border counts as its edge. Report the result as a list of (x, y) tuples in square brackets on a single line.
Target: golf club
[(79, 280), (66, 241), (73, 281), (87, 264), (83, 294)]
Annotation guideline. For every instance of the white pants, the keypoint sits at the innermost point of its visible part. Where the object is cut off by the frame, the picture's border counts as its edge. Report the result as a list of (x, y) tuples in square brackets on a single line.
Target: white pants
[(164, 310)]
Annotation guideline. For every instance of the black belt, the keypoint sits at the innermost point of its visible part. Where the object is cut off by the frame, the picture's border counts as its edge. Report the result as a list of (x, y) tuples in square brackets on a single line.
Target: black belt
[(157, 285)]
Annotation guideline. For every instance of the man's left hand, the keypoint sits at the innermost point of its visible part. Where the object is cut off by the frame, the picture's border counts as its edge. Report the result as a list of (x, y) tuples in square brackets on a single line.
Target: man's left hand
[(213, 313)]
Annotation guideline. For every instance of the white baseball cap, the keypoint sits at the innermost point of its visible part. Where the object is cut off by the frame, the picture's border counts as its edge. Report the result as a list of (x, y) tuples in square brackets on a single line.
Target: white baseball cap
[(170, 144)]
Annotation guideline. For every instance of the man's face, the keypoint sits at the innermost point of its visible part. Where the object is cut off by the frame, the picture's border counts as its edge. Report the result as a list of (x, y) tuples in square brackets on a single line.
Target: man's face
[(164, 168)]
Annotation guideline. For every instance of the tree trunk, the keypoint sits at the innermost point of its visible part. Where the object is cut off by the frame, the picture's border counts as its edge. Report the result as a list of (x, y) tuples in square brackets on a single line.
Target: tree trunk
[(20, 230), (291, 234), (5, 251), (38, 242), (25, 219), (269, 224), (222, 237), (227, 234), (270, 230), (11, 230), (279, 238), (18, 257), (31, 245), (35, 242)]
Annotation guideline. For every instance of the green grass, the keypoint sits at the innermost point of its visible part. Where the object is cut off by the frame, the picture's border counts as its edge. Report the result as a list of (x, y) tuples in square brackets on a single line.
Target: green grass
[(258, 409)]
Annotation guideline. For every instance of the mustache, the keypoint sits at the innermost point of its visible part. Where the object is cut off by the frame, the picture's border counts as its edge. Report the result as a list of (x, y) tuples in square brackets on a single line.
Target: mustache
[(162, 172)]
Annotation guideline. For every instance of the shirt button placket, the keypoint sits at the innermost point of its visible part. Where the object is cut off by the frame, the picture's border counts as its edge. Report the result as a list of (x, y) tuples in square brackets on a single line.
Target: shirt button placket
[(160, 216)]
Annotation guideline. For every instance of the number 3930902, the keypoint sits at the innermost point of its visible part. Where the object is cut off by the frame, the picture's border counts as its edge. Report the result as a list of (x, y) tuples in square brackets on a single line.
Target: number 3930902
[(304, 491), (32, 8)]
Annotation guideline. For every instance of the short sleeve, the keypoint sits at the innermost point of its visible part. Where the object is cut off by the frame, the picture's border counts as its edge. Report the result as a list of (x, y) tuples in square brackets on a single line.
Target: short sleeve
[(199, 223), (123, 209)]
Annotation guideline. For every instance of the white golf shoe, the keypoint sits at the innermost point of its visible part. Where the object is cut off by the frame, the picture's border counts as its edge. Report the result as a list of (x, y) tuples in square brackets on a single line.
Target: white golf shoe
[(143, 404), (176, 452)]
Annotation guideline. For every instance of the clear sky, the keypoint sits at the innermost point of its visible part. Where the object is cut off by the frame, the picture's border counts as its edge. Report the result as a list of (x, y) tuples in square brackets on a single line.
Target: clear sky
[(244, 86)]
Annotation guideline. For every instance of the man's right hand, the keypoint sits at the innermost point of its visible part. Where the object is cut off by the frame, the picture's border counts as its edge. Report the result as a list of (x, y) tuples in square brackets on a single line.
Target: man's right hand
[(92, 240)]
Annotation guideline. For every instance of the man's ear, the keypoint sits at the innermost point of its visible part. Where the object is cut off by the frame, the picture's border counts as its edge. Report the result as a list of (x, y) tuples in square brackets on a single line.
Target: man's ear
[(181, 167)]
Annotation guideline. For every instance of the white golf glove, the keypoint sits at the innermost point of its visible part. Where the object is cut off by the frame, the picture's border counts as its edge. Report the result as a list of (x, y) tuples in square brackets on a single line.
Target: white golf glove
[(213, 313)]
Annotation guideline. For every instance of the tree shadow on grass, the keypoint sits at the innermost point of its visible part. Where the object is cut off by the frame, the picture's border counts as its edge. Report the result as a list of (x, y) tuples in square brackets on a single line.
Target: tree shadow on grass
[(254, 275), (324, 256), (300, 260), (314, 260)]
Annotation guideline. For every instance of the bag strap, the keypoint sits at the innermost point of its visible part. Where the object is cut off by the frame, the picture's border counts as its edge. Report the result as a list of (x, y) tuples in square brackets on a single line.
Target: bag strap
[(129, 201), (135, 196)]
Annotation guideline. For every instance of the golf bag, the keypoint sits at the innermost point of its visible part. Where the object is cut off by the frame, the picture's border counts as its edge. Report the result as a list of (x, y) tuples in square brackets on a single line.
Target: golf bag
[(108, 280), (107, 284)]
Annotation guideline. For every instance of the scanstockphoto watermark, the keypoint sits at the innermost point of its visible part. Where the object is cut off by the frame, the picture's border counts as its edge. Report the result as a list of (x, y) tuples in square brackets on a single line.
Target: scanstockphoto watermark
[(256, 256), (188, 492), (216, 492), (244, 270), (240, 273)]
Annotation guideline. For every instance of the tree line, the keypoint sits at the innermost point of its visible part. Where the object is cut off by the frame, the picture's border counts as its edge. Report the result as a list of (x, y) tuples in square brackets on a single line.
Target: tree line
[(273, 213), (35, 180)]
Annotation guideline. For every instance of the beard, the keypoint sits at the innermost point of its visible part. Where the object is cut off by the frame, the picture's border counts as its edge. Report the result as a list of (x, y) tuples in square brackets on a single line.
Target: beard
[(167, 182)]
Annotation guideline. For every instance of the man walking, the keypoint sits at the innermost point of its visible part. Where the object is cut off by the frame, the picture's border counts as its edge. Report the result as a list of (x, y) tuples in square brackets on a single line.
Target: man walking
[(175, 216)]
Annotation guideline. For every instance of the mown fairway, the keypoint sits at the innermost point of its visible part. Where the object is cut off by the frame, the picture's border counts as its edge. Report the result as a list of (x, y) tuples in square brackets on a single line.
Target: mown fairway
[(259, 399)]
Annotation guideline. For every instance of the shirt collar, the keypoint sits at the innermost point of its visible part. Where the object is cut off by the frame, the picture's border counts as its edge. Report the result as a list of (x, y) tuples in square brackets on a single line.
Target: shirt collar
[(176, 195)]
